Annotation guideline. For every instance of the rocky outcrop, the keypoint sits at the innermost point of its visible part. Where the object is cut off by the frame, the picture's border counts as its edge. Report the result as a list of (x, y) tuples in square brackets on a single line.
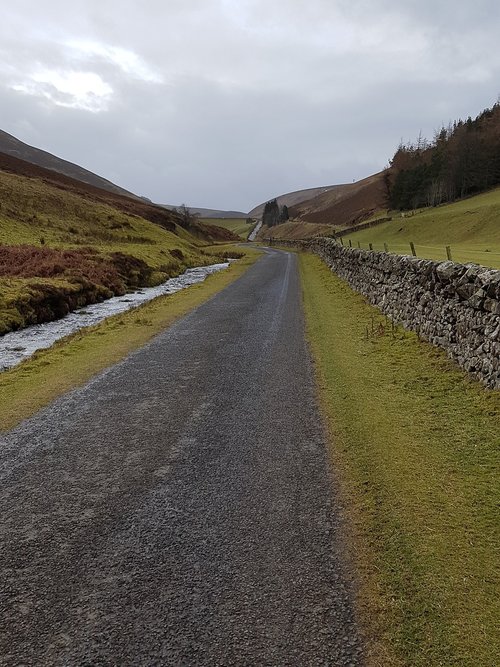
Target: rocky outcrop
[(453, 306)]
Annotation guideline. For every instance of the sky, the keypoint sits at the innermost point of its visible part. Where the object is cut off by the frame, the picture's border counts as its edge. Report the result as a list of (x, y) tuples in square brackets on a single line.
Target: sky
[(227, 103)]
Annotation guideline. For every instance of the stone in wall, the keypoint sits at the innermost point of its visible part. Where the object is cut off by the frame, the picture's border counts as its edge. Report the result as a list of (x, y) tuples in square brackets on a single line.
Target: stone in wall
[(454, 306)]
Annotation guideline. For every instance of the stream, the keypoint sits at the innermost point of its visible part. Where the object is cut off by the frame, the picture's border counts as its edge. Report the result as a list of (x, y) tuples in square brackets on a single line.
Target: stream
[(17, 346)]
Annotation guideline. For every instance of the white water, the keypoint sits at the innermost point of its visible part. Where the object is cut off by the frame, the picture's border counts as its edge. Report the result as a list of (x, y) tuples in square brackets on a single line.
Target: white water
[(19, 345)]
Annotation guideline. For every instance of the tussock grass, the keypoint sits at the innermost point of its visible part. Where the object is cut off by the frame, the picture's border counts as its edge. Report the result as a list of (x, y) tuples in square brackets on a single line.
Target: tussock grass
[(36, 382), (470, 226), (416, 444), (83, 249), (35, 213)]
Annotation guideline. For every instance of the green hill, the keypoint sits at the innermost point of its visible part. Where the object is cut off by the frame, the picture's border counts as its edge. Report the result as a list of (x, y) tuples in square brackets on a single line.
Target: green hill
[(64, 244), (471, 227)]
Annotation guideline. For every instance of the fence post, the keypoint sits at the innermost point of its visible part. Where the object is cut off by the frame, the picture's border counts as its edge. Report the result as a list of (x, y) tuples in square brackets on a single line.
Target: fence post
[(370, 245), (359, 245), (341, 240), (386, 248), (448, 253), (350, 243), (413, 251)]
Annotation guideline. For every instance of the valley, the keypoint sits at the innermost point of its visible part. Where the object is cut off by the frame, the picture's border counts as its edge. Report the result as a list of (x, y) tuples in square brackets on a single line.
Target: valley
[(274, 463)]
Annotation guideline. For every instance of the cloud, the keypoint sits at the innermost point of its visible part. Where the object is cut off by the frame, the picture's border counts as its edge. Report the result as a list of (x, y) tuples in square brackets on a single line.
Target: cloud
[(77, 90), (224, 103)]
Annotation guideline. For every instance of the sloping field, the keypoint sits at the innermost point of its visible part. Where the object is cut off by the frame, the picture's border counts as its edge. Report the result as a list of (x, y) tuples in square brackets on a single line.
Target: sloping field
[(295, 230), (237, 226), (471, 228), (345, 205), (292, 198)]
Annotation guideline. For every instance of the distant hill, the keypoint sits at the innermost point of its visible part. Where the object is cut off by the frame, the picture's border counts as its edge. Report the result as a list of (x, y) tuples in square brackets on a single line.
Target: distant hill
[(292, 198), (334, 205), (344, 205), (16, 148), (212, 213)]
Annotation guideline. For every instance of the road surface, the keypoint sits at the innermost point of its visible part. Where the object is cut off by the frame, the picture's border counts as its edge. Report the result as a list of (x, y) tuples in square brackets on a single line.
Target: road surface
[(179, 509)]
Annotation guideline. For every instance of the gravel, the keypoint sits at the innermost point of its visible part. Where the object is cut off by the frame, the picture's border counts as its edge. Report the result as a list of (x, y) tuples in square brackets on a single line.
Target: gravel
[(179, 509)]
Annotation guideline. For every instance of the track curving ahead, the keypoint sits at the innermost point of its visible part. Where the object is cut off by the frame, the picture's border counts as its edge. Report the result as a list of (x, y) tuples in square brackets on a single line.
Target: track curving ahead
[(179, 509)]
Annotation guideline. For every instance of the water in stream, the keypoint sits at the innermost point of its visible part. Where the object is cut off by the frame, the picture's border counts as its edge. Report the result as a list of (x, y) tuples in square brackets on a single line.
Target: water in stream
[(19, 345)]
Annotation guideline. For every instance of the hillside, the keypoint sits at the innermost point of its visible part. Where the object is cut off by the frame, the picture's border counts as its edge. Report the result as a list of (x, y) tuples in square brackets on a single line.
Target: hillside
[(470, 227), (345, 205), (463, 159), (16, 148), (238, 226), (295, 229), (292, 198), (64, 244)]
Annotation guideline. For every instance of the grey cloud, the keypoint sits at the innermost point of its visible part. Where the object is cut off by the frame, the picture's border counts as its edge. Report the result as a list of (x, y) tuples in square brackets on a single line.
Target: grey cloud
[(247, 99)]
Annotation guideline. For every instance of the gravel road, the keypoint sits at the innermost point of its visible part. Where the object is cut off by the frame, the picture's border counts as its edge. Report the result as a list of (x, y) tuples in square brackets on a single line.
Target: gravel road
[(179, 509)]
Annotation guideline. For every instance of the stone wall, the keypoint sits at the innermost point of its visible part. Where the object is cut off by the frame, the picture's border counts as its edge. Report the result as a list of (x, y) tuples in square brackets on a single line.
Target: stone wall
[(453, 306)]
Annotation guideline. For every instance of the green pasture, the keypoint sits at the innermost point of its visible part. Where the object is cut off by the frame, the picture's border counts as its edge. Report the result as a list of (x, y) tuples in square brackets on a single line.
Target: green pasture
[(471, 227), (236, 225)]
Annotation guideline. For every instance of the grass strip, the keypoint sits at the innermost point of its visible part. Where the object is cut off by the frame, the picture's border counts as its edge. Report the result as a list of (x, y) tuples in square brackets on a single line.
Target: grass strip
[(72, 361), (415, 443)]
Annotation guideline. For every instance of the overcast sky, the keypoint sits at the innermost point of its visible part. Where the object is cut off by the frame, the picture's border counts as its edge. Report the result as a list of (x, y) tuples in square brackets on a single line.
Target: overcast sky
[(226, 103)]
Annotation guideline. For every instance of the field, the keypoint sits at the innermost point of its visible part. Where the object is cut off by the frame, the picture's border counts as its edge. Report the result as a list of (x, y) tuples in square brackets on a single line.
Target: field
[(295, 229), (471, 227), (415, 443), (237, 225)]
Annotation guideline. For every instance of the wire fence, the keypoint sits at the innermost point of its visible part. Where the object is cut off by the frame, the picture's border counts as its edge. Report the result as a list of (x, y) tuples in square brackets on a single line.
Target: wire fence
[(485, 257)]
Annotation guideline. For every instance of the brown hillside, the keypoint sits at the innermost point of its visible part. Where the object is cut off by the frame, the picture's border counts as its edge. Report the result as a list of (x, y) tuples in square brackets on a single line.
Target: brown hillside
[(157, 214), (293, 198), (16, 148), (345, 205), (295, 229)]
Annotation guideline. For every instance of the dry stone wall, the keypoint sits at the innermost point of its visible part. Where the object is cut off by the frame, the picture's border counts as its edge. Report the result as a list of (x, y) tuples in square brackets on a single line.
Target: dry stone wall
[(453, 306)]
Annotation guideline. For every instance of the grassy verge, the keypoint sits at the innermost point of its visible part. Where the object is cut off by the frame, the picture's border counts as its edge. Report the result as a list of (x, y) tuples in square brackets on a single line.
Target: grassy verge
[(73, 361), (416, 445)]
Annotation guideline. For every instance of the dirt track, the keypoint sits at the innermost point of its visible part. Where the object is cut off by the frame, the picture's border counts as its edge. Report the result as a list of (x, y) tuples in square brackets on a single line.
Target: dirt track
[(178, 510)]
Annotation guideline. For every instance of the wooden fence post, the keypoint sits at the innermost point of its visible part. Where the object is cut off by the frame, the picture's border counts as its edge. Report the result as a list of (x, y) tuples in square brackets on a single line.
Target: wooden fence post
[(413, 251), (448, 253), (342, 240), (350, 243), (359, 245), (386, 248), (370, 245)]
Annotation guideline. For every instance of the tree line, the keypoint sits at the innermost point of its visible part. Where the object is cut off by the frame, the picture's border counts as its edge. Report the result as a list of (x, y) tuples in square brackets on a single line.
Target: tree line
[(274, 214), (463, 159)]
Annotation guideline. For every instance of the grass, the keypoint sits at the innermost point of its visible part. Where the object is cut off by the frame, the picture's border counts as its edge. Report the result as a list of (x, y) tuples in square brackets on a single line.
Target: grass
[(415, 443), (296, 230), (35, 213), (82, 248), (237, 225), (470, 226), (36, 382)]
